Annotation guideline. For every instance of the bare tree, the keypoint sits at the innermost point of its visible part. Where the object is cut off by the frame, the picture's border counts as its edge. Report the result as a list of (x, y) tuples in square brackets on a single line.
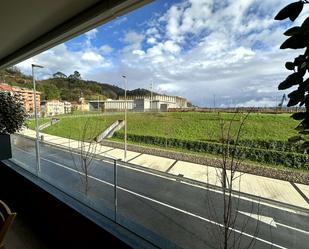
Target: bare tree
[(227, 233), (84, 152)]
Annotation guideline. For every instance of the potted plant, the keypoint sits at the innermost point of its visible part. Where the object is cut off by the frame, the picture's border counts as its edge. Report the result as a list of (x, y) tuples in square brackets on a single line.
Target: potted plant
[(12, 118)]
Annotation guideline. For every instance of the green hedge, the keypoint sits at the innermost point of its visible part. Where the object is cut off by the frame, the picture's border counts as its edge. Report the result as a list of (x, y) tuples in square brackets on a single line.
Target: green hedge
[(269, 156), (272, 145)]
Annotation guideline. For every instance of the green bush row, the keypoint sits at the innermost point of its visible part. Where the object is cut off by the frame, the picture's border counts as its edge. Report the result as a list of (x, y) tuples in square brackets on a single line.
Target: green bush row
[(284, 146), (272, 145), (289, 159)]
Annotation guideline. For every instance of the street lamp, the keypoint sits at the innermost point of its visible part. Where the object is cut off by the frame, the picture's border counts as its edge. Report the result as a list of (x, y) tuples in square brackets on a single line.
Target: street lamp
[(125, 117), (38, 163)]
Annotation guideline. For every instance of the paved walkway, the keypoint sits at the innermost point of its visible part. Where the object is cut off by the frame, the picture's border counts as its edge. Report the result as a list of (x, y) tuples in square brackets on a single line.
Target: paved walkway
[(269, 188)]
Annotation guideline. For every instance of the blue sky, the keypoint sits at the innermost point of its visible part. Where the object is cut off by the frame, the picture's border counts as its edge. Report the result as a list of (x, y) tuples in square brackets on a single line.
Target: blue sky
[(193, 48)]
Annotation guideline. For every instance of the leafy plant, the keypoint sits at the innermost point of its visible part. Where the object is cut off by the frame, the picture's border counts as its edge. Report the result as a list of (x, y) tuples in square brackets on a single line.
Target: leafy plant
[(12, 113), (298, 38)]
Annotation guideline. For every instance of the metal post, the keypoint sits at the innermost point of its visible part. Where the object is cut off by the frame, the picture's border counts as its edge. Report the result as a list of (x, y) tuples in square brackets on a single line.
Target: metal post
[(115, 190), (99, 103), (125, 118), (151, 90), (37, 144)]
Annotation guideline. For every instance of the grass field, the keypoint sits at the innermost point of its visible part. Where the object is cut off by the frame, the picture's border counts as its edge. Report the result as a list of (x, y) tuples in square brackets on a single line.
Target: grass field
[(190, 126), (194, 133), (31, 123), (74, 127)]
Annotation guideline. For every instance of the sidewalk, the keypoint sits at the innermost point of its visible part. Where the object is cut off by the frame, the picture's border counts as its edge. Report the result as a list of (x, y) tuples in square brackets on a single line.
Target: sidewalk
[(269, 188)]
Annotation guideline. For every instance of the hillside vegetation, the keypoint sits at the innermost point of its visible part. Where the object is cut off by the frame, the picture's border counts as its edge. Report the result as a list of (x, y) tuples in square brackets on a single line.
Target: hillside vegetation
[(69, 88)]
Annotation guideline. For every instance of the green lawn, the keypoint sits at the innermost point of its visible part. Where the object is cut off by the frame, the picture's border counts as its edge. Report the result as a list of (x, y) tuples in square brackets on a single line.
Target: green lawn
[(187, 125), (192, 126), (31, 122), (206, 126), (75, 127)]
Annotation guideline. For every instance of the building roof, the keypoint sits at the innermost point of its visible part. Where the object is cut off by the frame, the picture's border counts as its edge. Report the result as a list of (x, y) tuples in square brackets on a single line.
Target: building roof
[(23, 90), (5, 87)]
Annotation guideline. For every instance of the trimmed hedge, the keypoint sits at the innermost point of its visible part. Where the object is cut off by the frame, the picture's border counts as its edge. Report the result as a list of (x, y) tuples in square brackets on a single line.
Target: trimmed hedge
[(272, 145), (269, 156)]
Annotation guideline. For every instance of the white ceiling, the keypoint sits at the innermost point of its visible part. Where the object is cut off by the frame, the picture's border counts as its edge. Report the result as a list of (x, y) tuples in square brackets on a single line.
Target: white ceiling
[(32, 26)]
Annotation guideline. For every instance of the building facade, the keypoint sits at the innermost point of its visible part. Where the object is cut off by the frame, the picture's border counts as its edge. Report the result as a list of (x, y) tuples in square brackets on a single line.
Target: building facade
[(25, 95), (81, 105), (179, 102), (67, 107), (110, 105), (117, 105), (52, 107)]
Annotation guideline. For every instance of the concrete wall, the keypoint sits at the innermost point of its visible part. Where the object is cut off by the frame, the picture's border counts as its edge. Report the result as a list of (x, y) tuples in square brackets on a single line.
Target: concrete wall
[(117, 125), (141, 105), (118, 105)]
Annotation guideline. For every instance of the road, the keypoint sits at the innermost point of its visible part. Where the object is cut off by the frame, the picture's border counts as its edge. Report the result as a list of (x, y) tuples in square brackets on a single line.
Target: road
[(167, 212)]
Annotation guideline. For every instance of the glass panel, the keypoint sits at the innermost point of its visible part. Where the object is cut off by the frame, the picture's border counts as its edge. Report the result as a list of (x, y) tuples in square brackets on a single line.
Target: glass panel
[(24, 152), (174, 214), (92, 183)]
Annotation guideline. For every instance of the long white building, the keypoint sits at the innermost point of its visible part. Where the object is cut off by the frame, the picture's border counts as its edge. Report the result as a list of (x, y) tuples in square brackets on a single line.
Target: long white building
[(179, 102), (140, 103)]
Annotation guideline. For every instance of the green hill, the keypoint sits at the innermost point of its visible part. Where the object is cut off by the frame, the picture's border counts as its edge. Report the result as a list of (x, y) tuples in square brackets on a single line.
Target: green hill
[(70, 88)]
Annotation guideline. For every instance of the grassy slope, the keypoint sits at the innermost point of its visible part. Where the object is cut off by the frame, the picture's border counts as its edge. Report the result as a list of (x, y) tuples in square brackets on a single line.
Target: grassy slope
[(205, 126), (31, 122), (74, 127), (191, 126)]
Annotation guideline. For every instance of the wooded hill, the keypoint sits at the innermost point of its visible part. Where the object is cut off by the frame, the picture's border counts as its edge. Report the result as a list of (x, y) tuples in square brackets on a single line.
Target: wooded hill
[(70, 88)]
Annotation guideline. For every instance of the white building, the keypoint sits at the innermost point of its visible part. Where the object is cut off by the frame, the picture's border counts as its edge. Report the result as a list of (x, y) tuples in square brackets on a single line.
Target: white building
[(179, 102), (67, 107), (140, 103), (110, 105), (145, 105), (53, 107)]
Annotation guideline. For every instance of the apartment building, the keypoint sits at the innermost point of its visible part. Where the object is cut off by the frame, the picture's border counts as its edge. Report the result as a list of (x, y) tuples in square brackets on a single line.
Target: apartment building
[(67, 107), (53, 107), (25, 95)]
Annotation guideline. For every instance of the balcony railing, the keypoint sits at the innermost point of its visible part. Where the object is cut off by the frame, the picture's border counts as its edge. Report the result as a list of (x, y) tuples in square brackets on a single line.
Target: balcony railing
[(167, 211)]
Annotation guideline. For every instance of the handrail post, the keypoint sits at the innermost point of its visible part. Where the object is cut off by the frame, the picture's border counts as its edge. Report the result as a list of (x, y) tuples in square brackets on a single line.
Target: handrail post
[(115, 190)]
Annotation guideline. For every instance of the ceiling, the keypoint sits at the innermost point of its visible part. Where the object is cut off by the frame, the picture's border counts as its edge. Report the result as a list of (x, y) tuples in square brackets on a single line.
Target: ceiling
[(31, 27)]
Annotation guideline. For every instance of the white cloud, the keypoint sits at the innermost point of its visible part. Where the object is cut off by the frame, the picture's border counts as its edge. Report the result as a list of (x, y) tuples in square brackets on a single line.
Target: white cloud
[(264, 102), (197, 48), (105, 49), (229, 49), (133, 38), (91, 34), (92, 57), (151, 40), (60, 58), (138, 52), (171, 47)]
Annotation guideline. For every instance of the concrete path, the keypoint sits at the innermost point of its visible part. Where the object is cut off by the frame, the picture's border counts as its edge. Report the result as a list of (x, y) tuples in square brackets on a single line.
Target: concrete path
[(269, 188)]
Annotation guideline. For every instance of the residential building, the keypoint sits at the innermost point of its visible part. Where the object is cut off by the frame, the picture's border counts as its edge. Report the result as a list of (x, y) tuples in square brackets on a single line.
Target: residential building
[(5, 88), (81, 105), (67, 107), (53, 107), (25, 95)]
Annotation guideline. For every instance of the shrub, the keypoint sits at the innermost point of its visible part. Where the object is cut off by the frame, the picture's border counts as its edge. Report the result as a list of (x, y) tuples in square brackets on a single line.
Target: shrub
[(12, 113), (259, 152)]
